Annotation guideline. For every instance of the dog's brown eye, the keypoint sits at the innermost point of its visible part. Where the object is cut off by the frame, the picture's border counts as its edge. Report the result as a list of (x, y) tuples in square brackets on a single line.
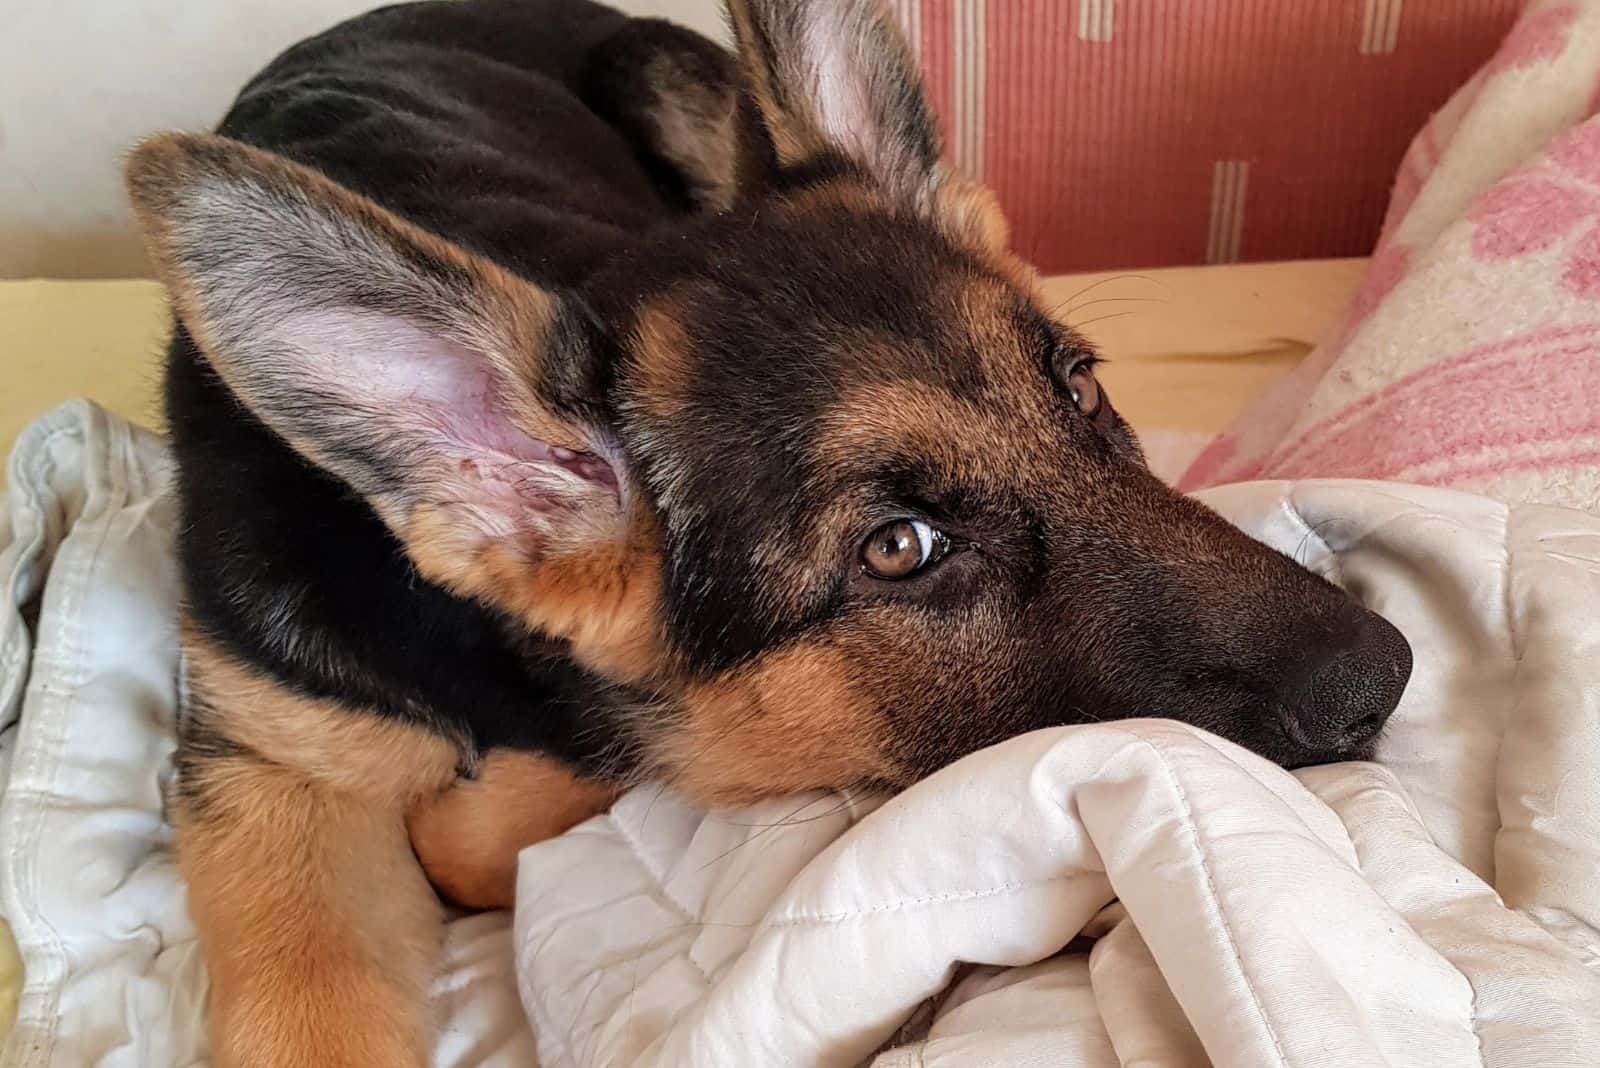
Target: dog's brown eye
[(1084, 389), (896, 550)]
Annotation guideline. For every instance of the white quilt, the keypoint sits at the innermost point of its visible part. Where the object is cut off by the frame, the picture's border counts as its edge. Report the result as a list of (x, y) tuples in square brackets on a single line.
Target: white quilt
[(1440, 910)]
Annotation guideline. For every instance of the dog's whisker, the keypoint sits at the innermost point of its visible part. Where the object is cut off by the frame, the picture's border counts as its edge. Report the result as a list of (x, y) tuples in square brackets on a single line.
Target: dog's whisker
[(1092, 286), (760, 833), (1312, 531), (1110, 300), (1104, 318), (1071, 305), (794, 821)]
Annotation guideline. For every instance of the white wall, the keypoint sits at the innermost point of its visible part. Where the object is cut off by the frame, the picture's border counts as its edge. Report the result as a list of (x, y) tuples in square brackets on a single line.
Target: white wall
[(80, 80), (702, 15)]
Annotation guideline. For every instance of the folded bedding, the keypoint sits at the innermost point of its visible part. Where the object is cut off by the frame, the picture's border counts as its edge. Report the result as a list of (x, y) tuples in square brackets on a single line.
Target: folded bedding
[(1440, 909)]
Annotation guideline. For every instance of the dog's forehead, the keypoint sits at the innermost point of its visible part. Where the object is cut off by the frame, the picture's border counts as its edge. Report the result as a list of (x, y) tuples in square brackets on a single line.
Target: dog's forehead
[(925, 440), (778, 342)]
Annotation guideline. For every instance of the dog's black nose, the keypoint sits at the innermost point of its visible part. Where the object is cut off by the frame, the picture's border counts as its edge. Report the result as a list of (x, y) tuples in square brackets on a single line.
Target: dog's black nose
[(1334, 702)]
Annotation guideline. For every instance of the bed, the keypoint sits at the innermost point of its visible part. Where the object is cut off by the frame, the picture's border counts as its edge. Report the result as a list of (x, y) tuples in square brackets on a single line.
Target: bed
[(1458, 875)]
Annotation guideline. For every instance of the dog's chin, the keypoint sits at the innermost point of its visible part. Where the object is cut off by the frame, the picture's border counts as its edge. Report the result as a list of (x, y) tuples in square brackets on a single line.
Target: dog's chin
[(1276, 745), (1303, 758)]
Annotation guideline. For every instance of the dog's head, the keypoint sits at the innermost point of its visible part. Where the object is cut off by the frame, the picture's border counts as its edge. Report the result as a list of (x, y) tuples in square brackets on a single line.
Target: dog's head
[(818, 470)]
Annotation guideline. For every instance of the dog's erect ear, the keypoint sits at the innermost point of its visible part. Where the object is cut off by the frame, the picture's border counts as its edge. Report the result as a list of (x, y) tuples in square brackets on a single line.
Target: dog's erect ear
[(836, 77), (453, 396)]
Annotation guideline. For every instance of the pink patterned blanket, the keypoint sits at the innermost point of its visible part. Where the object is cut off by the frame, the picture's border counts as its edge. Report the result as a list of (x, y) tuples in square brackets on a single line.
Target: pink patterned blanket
[(1471, 355)]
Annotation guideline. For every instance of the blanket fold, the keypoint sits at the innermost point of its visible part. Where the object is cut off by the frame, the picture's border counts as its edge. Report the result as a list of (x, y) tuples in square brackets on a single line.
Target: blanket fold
[(1268, 922)]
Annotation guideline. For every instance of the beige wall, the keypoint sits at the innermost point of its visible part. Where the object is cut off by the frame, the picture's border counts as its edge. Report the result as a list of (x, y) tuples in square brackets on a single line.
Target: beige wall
[(82, 79)]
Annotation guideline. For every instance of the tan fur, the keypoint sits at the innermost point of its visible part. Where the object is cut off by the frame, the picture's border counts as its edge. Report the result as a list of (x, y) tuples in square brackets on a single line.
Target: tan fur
[(468, 836), (665, 358), (971, 213), (794, 138), (841, 194), (602, 596), (794, 721), (956, 434), (986, 304), (967, 213), (319, 927), (985, 309), (697, 130), (379, 760)]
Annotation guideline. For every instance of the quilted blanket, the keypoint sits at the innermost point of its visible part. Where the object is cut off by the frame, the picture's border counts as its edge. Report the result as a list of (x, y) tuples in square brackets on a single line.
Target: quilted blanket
[(1441, 909)]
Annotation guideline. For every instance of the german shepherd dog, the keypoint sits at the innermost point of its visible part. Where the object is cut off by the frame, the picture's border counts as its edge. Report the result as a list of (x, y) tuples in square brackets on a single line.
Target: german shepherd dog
[(561, 402)]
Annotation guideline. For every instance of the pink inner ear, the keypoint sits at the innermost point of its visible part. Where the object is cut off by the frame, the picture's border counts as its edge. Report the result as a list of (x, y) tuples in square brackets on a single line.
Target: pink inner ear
[(414, 381), (841, 101)]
